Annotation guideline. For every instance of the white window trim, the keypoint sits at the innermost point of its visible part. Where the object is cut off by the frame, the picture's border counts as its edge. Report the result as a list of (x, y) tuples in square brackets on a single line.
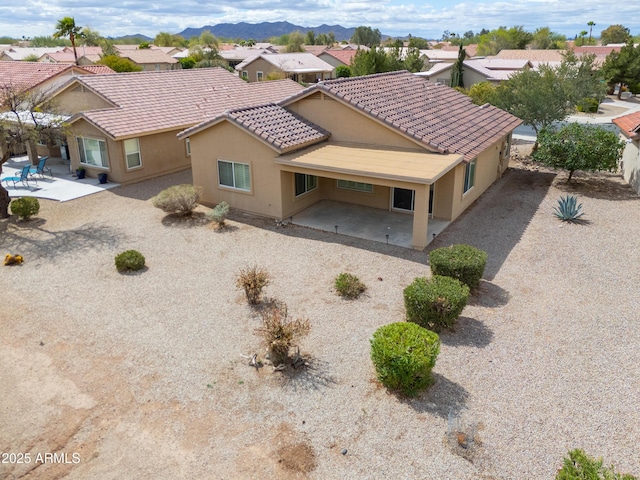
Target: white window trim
[(187, 143), (245, 75), (355, 189), (234, 188), (259, 76), (126, 154), (306, 189), (106, 149), (468, 166)]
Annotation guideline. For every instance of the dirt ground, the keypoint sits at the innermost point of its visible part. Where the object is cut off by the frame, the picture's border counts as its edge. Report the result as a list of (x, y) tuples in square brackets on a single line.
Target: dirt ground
[(64, 394)]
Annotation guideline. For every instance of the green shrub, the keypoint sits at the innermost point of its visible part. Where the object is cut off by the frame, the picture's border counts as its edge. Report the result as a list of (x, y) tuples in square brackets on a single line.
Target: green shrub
[(463, 262), (349, 286), (568, 209), (404, 354), (435, 303), (589, 105), (219, 213), (252, 280), (579, 466), (25, 207), (279, 333), (179, 199), (129, 260)]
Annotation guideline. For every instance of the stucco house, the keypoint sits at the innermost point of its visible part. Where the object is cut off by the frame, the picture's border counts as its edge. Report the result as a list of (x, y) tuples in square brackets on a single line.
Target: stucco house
[(476, 71), (630, 163), (125, 125), (337, 57), (390, 141), (299, 67)]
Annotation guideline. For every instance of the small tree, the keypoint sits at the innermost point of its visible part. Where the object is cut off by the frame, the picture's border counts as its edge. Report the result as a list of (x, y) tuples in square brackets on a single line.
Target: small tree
[(343, 71), (579, 146), (119, 64), (66, 27), (458, 69)]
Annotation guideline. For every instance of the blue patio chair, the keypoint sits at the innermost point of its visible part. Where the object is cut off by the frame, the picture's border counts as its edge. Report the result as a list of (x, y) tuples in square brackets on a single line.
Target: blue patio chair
[(41, 168), (23, 178)]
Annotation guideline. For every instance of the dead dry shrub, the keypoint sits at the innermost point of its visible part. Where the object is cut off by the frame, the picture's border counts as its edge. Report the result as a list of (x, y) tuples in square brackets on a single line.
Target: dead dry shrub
[(252, 280), (279, 332)]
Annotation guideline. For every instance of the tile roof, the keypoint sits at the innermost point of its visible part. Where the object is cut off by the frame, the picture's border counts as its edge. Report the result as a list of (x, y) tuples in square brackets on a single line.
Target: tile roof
[(148, 102), (291, 62), (444, 55), (471, 49), (282, 129), (315, 49), (436, 116), (27, 75), (147, 55), (20, 53), (532, 55), (344, 55), (98, 69), (629, 124)]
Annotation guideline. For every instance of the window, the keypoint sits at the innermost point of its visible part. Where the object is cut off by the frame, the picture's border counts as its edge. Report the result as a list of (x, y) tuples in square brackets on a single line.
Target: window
[(469, 176), (259, 76), (93, 152), (357, 186), (234, 175), (132, 153), (444, 81), (187, 142), (245, 75), (305, 183)]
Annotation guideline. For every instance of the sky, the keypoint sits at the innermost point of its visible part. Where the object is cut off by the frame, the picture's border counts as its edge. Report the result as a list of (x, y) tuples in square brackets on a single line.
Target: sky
[(428, 19)]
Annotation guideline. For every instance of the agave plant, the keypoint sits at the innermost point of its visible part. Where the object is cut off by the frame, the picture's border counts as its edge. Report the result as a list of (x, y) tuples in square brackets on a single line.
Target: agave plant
[(568, 209)]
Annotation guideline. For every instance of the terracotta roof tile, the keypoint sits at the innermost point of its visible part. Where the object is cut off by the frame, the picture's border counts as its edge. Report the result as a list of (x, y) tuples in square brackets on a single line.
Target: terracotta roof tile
[(281, 128), (28, 75), (147, 55), (148, 102), (98, 69), (629, 124), (437, 116), (345, 56)]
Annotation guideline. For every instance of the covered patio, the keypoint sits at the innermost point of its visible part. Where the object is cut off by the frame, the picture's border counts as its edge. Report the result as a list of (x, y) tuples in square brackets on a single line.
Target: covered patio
[(394, 228), (410, 171)]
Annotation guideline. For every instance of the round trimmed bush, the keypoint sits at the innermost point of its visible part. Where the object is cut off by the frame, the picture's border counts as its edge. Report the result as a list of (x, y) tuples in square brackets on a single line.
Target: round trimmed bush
[(349, 286), (435, 303), (463, 262), (129, 260), (404, 354), (25, 207)]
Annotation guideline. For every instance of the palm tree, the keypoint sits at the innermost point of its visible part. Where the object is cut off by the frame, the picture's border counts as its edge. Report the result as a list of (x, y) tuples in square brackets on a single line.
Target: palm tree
[(582, 35), (66, 27), (591, 25)]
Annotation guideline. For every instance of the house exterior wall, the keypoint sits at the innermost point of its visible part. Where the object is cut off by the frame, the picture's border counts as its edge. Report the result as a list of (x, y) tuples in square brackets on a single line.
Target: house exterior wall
[(471, 77), (78, 99), (260, 65), (160, 154), (630, 163), (347, 125)]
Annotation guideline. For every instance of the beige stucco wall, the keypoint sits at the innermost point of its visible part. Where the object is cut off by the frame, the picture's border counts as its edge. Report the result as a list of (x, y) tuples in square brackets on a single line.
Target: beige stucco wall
[(630, 163), (160, 153), (78, 99), (259, 65), (346, 124)]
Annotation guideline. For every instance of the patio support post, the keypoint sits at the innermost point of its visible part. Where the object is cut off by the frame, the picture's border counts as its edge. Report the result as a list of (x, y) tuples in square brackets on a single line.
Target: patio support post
[(420, 217), (32, 151)]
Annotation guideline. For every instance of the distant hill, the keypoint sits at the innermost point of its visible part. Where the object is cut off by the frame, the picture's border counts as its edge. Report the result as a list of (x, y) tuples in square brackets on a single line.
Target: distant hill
[(265, 30), (136, 38)]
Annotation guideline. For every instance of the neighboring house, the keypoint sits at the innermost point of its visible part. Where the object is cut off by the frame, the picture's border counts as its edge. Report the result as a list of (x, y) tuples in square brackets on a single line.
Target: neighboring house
[(125, 125), (235, 56), (20, 53), (439, 55), (536, 57), (67, 55), (391, 141), (150, 59), (476, 71), (337, 57), (299, 67), (630, 163), (471, 49), (41, 78)]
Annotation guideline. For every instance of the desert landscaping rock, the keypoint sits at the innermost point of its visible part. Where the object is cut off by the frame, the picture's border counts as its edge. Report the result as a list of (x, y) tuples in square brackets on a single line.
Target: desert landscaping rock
[(142, 375)]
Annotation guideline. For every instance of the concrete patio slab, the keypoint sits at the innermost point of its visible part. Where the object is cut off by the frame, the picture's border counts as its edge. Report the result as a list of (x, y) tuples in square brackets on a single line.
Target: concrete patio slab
[(64, 185), (364, 222)]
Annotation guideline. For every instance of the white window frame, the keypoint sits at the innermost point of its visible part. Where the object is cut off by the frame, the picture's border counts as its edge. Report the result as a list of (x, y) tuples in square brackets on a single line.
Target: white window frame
[(310, 184), (234, 174), (355, 186), (469, 180), (127, 153), (245, 75), (187, 143), (82, 152), (259, 76)]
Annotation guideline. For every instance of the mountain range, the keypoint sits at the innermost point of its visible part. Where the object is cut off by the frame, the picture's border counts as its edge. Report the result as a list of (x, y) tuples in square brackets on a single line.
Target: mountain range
[(265, 30)]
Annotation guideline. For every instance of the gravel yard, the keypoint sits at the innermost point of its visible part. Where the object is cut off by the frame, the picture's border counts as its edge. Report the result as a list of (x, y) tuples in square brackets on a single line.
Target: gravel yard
[(141, 375)]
